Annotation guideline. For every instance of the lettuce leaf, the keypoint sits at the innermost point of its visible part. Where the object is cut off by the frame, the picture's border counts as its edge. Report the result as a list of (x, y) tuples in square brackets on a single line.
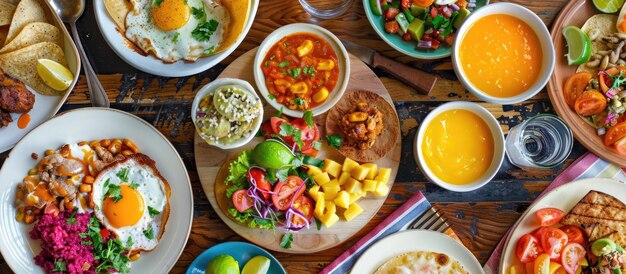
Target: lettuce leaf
[(237, 171), (240, 217)]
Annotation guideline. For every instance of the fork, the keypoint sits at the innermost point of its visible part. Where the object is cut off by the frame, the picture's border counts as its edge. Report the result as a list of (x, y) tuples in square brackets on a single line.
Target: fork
[(430, 220)]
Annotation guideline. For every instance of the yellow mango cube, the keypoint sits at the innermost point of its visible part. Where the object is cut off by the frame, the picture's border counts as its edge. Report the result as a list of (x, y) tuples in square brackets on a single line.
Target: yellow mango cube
[(369, 185), (329, 219), (383, 174), (331, 189), (321, 179), (381, 189), (348, 165), (353, 211), (329, 196), (353, 186), (331, 167), (355, 197), (344, 178), (343, 199), (373, 171), (314, 190), (320, 205), (360, 172), (318, 196), (313, 170), (330, 207)]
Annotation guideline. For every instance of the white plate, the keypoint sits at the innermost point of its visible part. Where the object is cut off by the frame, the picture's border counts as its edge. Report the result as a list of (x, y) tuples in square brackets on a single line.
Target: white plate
[(565, 198), (149, 63), (90, 124), (415, 240), (45, 106)]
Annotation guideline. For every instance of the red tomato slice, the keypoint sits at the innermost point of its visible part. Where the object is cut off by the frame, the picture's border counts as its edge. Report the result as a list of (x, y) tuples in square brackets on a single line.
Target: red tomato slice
[(287, 190), (528, 248), (267, 130), (553, 240), (549, 216), (589, 103), (621, 146), (242, 201), (309, 133), (105, 233), (615, 133), (310, 152), (575, 86), (542, 264), (571, 256), (574, 234), (304, 205), (258, 175), (275, 123)]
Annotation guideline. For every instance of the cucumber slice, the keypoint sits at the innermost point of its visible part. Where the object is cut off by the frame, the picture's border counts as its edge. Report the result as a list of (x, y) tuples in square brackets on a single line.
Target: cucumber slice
[(377, 9), (402, 22)]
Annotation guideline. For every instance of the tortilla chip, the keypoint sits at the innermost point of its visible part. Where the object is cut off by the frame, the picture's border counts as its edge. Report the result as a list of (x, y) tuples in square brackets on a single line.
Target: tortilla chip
[(34, 33), (239, 11), (27, 11), (22, 64), (6, 12), (605, 23), (387, 139), (118, 9)]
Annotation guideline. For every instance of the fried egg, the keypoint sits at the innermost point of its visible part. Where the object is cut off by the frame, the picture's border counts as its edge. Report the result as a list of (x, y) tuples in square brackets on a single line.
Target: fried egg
[(132, 201), (175, 30)]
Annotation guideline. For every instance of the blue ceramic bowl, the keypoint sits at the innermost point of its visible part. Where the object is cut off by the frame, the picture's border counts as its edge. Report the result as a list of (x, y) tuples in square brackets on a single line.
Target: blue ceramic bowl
[(242, 252), (408, 48)]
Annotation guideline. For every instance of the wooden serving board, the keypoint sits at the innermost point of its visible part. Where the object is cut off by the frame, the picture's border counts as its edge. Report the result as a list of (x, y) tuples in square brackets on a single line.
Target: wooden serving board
[(210, 160)]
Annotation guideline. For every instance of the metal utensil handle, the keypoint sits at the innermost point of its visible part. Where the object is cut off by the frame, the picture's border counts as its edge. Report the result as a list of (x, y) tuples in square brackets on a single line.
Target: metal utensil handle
[(97, 94)]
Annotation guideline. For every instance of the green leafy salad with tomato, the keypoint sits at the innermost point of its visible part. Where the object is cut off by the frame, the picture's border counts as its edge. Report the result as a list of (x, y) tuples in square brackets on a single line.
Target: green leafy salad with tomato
[(267, 184)]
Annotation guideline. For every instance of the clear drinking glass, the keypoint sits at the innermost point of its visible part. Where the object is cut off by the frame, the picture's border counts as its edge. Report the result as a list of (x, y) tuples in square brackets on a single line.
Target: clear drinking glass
[(544, 141), (326, 9)]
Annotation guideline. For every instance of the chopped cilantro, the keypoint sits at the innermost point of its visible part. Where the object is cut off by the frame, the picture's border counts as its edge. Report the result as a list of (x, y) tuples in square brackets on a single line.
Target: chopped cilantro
[(334, 140), (267, 63), (123, 175), (210, 50), (134, 185), (294, 72), (153, 212), (298, 101), (72, 219), (149, 233), (115, 192), (283, 64), (110, 255), (287, 129), (82, 235), (308, 118), (59, 266), (158, 2), (175, 38), (271, 97), (318, 224), (261, 223), (286, 241), (205, 30), (317, 145), (280, 112), (282, 174), (198, 13), (129, 242)]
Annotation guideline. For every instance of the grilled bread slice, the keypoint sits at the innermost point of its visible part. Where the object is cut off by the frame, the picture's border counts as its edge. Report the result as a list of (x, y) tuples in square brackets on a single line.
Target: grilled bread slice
[(600, 215)]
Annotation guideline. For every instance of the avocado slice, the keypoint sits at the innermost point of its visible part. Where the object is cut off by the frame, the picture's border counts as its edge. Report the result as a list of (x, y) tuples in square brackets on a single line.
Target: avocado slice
[(463, 14), (416, 29)]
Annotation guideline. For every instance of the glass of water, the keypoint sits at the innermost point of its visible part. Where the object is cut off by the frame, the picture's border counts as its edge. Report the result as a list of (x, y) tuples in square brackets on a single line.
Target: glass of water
[(542, 142), (326, 9)]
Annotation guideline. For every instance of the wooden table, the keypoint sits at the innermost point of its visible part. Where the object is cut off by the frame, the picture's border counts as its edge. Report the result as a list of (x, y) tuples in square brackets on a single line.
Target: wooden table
[(480, 218)]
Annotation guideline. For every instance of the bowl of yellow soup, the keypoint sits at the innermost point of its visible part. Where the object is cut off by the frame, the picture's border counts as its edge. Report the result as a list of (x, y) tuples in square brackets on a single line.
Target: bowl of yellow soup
[(503, 53), (459, 146)]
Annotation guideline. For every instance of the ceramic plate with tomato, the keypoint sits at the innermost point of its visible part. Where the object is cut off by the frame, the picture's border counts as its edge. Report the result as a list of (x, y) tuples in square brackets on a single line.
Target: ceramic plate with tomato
[(538, 242)]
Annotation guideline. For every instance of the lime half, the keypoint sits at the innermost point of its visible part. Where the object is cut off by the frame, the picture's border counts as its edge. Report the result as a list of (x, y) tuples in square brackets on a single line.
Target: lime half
[(272, 154), (578, 44), (608, 6), (223, 264), (257, 265)]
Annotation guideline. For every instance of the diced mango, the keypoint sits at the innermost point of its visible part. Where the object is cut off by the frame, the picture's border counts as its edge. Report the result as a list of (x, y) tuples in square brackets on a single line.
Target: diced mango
[(360, 172), (343, 199), (314, 190), (329, 219), (383, 174), (305, 48), (319, 196), (353, 211), (329, 196), (344, 178), (321, 179), (373, 171), (333, 168), (331, 189), (353, 186), (355, 197), (369, 185), (319, 207), (348, 165), (381, 189), (313, 170), (330, 207)]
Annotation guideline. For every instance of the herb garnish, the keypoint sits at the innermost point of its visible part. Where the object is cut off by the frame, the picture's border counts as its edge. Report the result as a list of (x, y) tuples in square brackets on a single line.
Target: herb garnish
[(114, 192), (59, 266), (198, 13), (72, 219), (283, 64), (133, 185), (334, 140), (308, 118), (175, 38), (158, 2), (286, 241), (149, 233), (205, 30), (123, 175), (109, 254), (298, 101), (153, 212)]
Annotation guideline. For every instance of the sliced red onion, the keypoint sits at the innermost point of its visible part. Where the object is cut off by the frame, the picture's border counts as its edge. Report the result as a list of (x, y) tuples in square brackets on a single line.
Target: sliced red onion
[(609, 118), (424, 44), (200, 114), (601, 131), (454, 7), (611, 93)]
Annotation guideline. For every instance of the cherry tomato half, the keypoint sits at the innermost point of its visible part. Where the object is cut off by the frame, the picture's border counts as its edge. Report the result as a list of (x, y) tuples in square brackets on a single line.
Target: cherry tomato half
[(287, 190), (275, 123), (258, 176), (574, 234), (620, 146), (528, 248), (549, 216), (553, 240), (589, 103), (575, 86), (542, 264), (571, 256), (304, 205), (605, 82), (242, 201), (615, 133)]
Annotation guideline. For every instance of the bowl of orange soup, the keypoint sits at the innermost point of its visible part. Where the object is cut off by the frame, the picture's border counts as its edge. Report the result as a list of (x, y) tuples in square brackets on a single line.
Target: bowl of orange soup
[(503, 53), (459, 146)]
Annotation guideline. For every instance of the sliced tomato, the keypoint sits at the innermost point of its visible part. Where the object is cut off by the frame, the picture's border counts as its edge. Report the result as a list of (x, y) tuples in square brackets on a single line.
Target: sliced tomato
[(258, 176), (304, 205), (528, 248), (615, 133), (620, 146), (574, 234), (105, 233), (242, 201), (549, 216), (605, 82), (423, 3), (285, 191), (575, 86), (275, 123), (391, 13), (309, 133), (267, 130), (52, 210), (572, 255), (529, 267), (542, 264), (589, 103), (553, 240)]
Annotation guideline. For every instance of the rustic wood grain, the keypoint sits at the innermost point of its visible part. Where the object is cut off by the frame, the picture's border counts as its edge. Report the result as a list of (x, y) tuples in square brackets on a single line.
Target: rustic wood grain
[(480, 218)]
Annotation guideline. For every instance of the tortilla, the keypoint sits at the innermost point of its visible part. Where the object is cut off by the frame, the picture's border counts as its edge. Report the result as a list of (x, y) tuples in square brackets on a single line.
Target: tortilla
[(384, 143), (421, 261), (239, 11), (27, 11), (34, 33), (605, 23), (22, 65), (118, 9), (6, 12)]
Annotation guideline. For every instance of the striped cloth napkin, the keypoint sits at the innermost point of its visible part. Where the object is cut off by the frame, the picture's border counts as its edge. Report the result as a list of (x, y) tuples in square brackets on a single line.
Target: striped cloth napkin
[(587, 166), (397, 221)]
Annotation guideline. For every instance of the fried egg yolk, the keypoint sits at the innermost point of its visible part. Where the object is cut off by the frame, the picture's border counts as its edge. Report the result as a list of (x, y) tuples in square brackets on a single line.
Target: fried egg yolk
[(126, 211), (170, 14)]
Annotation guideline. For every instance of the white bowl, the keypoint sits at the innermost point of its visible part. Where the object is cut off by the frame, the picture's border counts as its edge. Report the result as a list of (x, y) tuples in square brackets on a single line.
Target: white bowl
[(538, 27), (151, 64), (498, 142), (210, 87), (342, 56)]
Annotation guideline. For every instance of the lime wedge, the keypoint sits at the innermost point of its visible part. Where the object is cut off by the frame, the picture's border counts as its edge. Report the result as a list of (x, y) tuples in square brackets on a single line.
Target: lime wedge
[(54, 74), (608, 6), (257, 265), (578, 44)]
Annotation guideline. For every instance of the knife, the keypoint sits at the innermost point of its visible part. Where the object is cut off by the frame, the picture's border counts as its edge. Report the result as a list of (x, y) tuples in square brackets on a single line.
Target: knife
[(421, 81)]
